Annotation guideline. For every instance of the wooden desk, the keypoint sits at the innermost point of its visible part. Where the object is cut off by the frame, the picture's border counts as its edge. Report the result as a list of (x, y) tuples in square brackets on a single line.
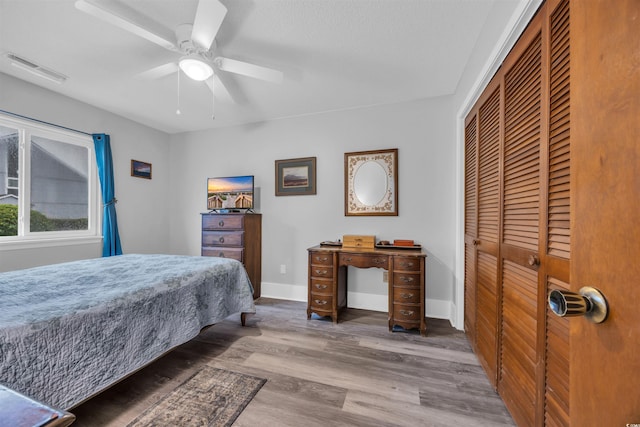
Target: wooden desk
[(327, 293)]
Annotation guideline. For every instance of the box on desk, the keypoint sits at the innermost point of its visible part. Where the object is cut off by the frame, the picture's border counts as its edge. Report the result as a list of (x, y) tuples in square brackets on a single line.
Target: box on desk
[(355, 241)]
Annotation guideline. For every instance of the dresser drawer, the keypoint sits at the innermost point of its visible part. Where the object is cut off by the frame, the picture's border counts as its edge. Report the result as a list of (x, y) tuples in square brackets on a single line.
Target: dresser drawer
[(365, 261), (407, 280), (222, 222), (322, 271), (222, 252), (406, 263), (222, 238), (403, 313), (321, 302), (406, 295), (321, 258), (321, 286)]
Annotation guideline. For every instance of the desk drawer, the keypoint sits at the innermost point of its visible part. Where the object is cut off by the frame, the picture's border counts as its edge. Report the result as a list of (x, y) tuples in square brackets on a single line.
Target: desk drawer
[(406, 263), (407, 280), (403, 313), (406, 295), (222, 238), (222, 252), (321, 286), (321, 302), (365, 261), (321, 258), (222, 222), (322, 271)]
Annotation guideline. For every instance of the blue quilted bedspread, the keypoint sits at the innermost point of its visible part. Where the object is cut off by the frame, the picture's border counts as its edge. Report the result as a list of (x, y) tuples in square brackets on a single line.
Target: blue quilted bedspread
[(68, 331)]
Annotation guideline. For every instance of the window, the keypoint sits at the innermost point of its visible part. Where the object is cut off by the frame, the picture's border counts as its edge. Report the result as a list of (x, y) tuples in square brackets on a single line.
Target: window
[(48, 183)]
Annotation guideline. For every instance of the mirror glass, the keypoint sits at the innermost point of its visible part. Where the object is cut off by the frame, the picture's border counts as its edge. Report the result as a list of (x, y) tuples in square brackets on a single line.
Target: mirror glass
[(370, 183)]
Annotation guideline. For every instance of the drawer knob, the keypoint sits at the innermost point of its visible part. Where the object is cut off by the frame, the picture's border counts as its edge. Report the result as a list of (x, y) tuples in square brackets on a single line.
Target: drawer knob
[(406, 296), (320, 302), (221, 223), (320, 286), (321, 258), (221, 240), (406, 264), (221, 254), (321, 271), (379, 260), (406, 279), (348, 259), (406, 312)]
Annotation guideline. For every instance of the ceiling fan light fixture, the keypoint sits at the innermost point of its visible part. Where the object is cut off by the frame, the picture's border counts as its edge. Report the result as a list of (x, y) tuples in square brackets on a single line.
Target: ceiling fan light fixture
[(195, 68)]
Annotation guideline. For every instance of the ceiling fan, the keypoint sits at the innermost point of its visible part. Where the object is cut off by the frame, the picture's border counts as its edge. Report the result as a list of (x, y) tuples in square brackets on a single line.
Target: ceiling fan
[(194, 42)]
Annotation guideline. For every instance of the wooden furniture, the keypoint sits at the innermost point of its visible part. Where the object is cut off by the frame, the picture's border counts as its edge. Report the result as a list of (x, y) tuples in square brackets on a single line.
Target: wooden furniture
[(237, 236), (327, 292), (19, 410)]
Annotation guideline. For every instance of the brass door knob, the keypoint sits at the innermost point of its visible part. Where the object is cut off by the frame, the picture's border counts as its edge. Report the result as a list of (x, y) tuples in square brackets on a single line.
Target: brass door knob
[(533, 260)]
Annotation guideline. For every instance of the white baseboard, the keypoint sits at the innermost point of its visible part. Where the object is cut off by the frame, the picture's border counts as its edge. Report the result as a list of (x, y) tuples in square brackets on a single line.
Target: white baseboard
[(283, 291)]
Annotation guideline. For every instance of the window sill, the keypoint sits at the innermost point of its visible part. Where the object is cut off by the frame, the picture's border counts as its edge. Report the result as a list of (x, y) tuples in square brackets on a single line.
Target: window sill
[(10, 245)]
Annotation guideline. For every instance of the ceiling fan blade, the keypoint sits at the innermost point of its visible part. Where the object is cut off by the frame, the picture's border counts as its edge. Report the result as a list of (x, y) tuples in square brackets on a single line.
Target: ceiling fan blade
[(158, 72), (250, 70), (209, 17), (123, 16)]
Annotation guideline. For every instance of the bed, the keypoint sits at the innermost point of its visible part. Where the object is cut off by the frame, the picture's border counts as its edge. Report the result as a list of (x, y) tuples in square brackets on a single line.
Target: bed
[(71, 330)]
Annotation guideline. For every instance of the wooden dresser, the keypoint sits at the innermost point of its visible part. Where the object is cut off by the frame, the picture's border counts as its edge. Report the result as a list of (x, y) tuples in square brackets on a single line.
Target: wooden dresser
[(237, 236), (327, 293)]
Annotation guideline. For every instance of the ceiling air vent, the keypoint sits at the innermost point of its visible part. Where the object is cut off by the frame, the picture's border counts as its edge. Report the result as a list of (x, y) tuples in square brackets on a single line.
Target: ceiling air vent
[(38, 70)]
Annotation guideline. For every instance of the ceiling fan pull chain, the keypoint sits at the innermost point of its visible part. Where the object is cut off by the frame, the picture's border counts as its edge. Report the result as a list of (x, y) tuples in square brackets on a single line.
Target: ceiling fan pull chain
[(178, 112)]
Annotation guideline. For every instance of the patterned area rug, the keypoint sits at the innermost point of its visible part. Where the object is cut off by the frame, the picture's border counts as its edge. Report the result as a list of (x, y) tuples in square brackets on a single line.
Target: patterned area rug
[(210, 397)]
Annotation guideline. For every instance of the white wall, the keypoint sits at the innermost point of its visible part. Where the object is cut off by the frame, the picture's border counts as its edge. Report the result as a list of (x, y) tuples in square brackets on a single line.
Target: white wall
[(423, 132), (143, 216)]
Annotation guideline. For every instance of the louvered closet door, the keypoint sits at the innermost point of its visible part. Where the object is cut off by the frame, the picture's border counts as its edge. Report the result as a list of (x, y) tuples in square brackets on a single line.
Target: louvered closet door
[(517, 381), (554, 265), (470, 227), (489, 137)]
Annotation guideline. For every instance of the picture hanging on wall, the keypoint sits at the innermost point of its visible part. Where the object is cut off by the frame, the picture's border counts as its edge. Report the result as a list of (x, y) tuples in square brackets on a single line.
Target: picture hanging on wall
[(140, 169), (296, 177)]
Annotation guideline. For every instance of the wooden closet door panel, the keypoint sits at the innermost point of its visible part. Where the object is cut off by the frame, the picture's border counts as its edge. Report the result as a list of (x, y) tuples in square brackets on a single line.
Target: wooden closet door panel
[(518, 382), (559, 200), (470, 227), (556, 379), (487, 315), (489, 189), (605, 206), (555, 262), (522, 150)]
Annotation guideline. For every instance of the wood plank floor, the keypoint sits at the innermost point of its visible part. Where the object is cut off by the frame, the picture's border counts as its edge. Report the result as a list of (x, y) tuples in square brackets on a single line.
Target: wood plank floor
[(355, 373)]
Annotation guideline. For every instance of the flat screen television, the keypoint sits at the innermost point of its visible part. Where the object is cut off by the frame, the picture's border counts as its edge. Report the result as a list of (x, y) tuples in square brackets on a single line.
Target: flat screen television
[(230, 192)]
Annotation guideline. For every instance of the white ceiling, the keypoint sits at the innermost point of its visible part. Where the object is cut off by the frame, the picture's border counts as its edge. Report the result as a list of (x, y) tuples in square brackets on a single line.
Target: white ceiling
[(335, 55)]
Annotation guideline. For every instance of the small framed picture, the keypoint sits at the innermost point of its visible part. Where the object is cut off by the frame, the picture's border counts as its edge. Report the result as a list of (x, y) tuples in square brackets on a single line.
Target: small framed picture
[(140, 169), (296, 177)]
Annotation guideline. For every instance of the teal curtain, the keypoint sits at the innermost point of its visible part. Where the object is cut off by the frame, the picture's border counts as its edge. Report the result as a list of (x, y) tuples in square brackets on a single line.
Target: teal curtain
[(111, 238)]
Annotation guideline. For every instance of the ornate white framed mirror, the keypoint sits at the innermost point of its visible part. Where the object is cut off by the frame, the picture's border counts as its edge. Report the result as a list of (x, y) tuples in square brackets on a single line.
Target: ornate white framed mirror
[(371, 182)]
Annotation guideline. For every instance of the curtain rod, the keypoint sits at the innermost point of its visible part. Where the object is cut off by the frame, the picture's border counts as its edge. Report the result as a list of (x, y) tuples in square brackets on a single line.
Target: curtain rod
[(43, 122)]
